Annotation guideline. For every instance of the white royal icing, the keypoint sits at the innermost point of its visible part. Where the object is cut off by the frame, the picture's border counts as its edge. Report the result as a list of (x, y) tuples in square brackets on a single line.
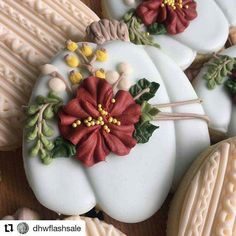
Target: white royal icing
[(130, 188), (205, 34)]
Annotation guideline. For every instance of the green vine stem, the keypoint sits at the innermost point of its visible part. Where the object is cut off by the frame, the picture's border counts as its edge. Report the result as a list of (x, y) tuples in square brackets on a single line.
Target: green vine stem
[(37, 127), (136, 34)]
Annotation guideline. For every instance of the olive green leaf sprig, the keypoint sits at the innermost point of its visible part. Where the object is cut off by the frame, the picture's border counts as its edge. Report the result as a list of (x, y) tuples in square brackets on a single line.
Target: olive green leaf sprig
[(143, 91), (38, 130), (218, 69), (136, 34)]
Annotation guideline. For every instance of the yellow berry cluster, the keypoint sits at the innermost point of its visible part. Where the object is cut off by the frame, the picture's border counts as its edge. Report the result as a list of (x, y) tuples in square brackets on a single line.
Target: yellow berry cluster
[(173, 3), (90, 121), (72, 60)]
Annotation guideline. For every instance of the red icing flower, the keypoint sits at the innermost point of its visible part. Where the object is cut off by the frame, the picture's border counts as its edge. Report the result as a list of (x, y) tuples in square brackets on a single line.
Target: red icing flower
[(98, 123), (174, 14)]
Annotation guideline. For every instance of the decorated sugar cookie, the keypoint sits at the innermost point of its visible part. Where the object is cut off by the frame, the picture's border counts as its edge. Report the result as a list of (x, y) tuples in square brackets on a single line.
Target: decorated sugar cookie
[(216, 85), (180, 28), (31, 32), (205, 201), (109, 125)]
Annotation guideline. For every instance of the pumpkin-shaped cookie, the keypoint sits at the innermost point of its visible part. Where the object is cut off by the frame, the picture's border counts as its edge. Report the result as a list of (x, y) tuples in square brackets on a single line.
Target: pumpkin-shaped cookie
[(216, 85), (205, 201), (115, 105), (181, 28)]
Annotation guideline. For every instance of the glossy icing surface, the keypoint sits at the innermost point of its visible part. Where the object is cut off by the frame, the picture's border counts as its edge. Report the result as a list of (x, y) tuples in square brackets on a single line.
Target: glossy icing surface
[(204, 202), (129, 188), (224, 119), (31, 32), (205, 34)]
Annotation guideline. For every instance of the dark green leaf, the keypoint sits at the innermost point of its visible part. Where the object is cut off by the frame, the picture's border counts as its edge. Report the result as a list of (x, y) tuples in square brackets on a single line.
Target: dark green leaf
[(231, 86), (157, 29), (143, 131), (63, 148), (140, 87)]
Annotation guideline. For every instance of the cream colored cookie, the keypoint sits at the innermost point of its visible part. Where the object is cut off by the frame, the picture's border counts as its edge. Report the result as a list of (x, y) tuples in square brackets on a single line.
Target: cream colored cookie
[(205, 203), (95, 227), (31, 32)]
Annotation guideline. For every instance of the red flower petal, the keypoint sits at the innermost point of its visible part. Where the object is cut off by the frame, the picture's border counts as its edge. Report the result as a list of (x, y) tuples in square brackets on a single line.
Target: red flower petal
[(73, 108), (117, 145), (148, 11), (123, 100), (92, 150), (66, 119), (131, 115), (75, 135)]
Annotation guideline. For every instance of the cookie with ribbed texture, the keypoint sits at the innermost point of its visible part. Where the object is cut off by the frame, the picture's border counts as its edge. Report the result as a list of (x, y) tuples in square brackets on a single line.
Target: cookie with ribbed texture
[(205, 203), (31, 32)]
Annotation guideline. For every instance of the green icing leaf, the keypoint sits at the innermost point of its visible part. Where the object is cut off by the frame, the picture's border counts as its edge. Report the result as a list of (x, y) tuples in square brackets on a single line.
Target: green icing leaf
[(47, 130), (37, 128), (148, 112), (218, 69), (144, 90), (157, 29), (136, 34), (231, 86), (63, 148), (48, 113), (143, 131)]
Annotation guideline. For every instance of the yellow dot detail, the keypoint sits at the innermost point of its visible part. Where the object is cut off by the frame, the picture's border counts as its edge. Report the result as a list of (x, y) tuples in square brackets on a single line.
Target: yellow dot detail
[(78, 122), (113, 100), (90, 118), (74, 125), (100, 118), (110, 120), (118, 123)]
